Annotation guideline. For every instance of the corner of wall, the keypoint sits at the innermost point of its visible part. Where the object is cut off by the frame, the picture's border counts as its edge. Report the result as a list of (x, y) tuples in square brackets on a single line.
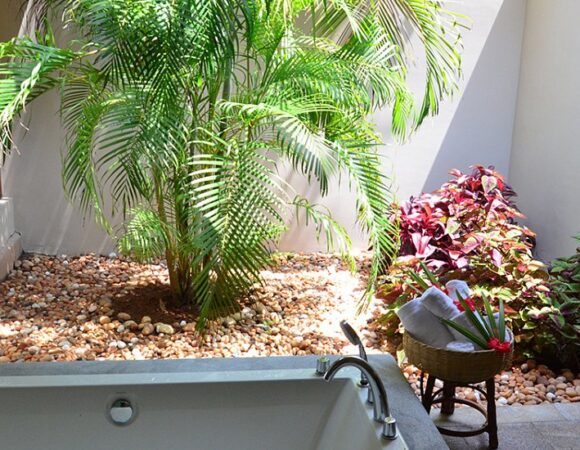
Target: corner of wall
[(10, 240)]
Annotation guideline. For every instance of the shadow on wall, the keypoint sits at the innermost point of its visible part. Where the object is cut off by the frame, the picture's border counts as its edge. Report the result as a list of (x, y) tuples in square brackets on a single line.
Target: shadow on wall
[(48, 222), (482, 127)]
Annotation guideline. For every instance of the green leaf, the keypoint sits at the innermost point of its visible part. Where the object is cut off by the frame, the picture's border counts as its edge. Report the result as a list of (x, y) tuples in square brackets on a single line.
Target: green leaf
[(467, 333)]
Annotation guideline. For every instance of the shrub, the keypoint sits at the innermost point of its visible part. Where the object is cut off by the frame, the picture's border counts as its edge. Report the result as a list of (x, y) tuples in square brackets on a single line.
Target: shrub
[(182, 110), (467, 230), (560, 312)]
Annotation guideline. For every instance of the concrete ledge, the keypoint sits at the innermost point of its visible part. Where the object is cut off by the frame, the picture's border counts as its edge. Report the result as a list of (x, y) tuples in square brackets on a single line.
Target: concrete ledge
[(9, 254)]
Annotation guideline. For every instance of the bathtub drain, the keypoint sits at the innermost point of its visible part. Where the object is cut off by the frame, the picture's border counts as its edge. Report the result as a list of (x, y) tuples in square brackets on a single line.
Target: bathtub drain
[(122, 412)]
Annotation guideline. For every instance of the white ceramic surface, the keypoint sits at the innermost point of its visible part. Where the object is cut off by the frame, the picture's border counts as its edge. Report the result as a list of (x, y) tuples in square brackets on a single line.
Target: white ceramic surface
[(246, 410)]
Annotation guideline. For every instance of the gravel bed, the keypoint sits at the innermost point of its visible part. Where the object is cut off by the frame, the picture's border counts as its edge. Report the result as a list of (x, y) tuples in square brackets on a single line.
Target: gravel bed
[(110, 308)]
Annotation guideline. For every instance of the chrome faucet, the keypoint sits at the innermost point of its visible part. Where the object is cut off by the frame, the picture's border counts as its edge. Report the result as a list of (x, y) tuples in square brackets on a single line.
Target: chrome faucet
[(354, 339), (381, 411)]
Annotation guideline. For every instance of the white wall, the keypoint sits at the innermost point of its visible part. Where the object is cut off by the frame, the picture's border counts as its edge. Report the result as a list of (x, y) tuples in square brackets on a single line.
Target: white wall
[(473, 128), (545, 163)]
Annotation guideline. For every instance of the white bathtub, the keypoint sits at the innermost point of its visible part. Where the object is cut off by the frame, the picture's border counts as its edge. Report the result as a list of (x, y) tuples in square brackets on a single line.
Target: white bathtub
[(288, 409)]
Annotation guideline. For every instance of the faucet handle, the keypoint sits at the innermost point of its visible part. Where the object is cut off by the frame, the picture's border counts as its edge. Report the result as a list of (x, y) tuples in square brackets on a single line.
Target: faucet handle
[(322, 365), (389, 428)]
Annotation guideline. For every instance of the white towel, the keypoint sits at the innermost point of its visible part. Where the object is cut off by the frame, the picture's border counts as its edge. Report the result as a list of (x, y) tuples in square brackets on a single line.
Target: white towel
[(423, 325), (463, 321), (457, 346), (460, 287), (439, 304)]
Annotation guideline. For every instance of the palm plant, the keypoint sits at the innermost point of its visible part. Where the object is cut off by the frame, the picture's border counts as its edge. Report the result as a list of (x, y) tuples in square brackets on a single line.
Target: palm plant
[(179, 111)]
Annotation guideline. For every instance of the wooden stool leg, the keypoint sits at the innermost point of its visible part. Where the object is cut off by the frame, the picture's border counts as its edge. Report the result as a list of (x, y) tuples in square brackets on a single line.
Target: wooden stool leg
[(427, 399), (491, 413), (448, 405)]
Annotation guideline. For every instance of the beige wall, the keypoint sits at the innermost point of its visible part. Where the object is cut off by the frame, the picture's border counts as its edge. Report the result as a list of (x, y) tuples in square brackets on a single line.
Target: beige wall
[(476, 127), (545, 163)]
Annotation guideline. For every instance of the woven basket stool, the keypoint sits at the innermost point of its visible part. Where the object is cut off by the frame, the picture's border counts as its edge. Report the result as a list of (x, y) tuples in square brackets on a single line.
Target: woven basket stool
[(458, 369)]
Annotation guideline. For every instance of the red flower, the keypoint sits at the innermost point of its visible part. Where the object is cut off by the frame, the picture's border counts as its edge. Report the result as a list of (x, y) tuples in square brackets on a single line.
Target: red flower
[(494, 344), (469, 302)]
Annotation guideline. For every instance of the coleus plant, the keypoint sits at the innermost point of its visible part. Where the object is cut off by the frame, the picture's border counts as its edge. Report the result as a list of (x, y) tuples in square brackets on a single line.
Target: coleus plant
[(468, 230), (559, 313), (491, 334)]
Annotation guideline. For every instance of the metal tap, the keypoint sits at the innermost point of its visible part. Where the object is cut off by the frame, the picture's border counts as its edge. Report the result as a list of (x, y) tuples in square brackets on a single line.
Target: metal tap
[(381, 412)]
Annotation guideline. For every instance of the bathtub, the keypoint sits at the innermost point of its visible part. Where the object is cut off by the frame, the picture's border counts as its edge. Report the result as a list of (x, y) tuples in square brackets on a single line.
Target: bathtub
[(169, 405)]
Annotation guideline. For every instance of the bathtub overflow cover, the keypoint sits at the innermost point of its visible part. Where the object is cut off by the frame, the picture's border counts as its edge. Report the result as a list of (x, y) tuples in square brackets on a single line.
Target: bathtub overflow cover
[(122, 412)]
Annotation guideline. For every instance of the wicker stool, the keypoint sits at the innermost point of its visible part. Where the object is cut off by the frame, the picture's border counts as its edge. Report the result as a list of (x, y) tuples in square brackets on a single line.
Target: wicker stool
[(458, 369)]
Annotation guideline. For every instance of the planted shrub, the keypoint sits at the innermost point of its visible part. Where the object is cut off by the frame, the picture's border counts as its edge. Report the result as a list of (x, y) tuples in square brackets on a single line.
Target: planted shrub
[(558, 318), (467, 230), (181, 110)]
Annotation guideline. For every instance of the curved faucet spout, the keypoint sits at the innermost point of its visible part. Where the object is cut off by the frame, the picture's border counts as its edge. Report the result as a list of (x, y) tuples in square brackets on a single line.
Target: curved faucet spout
[(380, 404)]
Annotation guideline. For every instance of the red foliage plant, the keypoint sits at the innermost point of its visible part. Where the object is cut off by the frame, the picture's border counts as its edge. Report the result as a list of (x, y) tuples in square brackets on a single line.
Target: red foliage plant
[(447, 226), (467, 230)]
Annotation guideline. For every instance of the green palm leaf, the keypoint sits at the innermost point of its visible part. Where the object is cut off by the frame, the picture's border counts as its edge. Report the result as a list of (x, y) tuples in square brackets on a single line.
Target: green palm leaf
[(178, 112)]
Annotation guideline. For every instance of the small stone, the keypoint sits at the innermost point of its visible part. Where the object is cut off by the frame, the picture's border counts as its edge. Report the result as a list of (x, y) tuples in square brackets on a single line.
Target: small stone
[(103, 320), (571, 392), (561, 386), (148, 329), (131, 325), (502, 401), (568, 375), (146, 319), (229, 322), (34, 350), (123, 317), (121, 344), (163, 328), (92, 308), (260, 308)]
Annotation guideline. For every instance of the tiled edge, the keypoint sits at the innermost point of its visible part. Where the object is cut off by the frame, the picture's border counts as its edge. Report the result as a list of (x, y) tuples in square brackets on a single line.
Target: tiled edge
[(571, 411), (527, 414)]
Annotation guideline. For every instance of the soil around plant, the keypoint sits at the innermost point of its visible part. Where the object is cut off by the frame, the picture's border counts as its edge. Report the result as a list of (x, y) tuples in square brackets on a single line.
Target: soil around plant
[(156, 301)]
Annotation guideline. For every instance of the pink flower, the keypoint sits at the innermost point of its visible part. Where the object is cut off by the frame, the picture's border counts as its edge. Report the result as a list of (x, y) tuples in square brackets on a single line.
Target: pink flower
[(469, 302), (494, 344)]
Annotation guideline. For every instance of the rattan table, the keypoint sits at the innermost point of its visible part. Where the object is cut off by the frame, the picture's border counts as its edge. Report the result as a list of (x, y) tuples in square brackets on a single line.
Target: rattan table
[(458, 369)]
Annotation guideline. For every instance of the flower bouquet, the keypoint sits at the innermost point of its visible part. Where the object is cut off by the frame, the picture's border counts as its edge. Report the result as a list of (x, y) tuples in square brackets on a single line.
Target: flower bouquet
[(491, 334)]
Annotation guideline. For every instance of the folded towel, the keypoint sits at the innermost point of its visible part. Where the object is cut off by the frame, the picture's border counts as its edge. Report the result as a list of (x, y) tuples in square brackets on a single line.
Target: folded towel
[(461, 346), (463, 321), (423, 325), (460, 287), (439, 304)]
